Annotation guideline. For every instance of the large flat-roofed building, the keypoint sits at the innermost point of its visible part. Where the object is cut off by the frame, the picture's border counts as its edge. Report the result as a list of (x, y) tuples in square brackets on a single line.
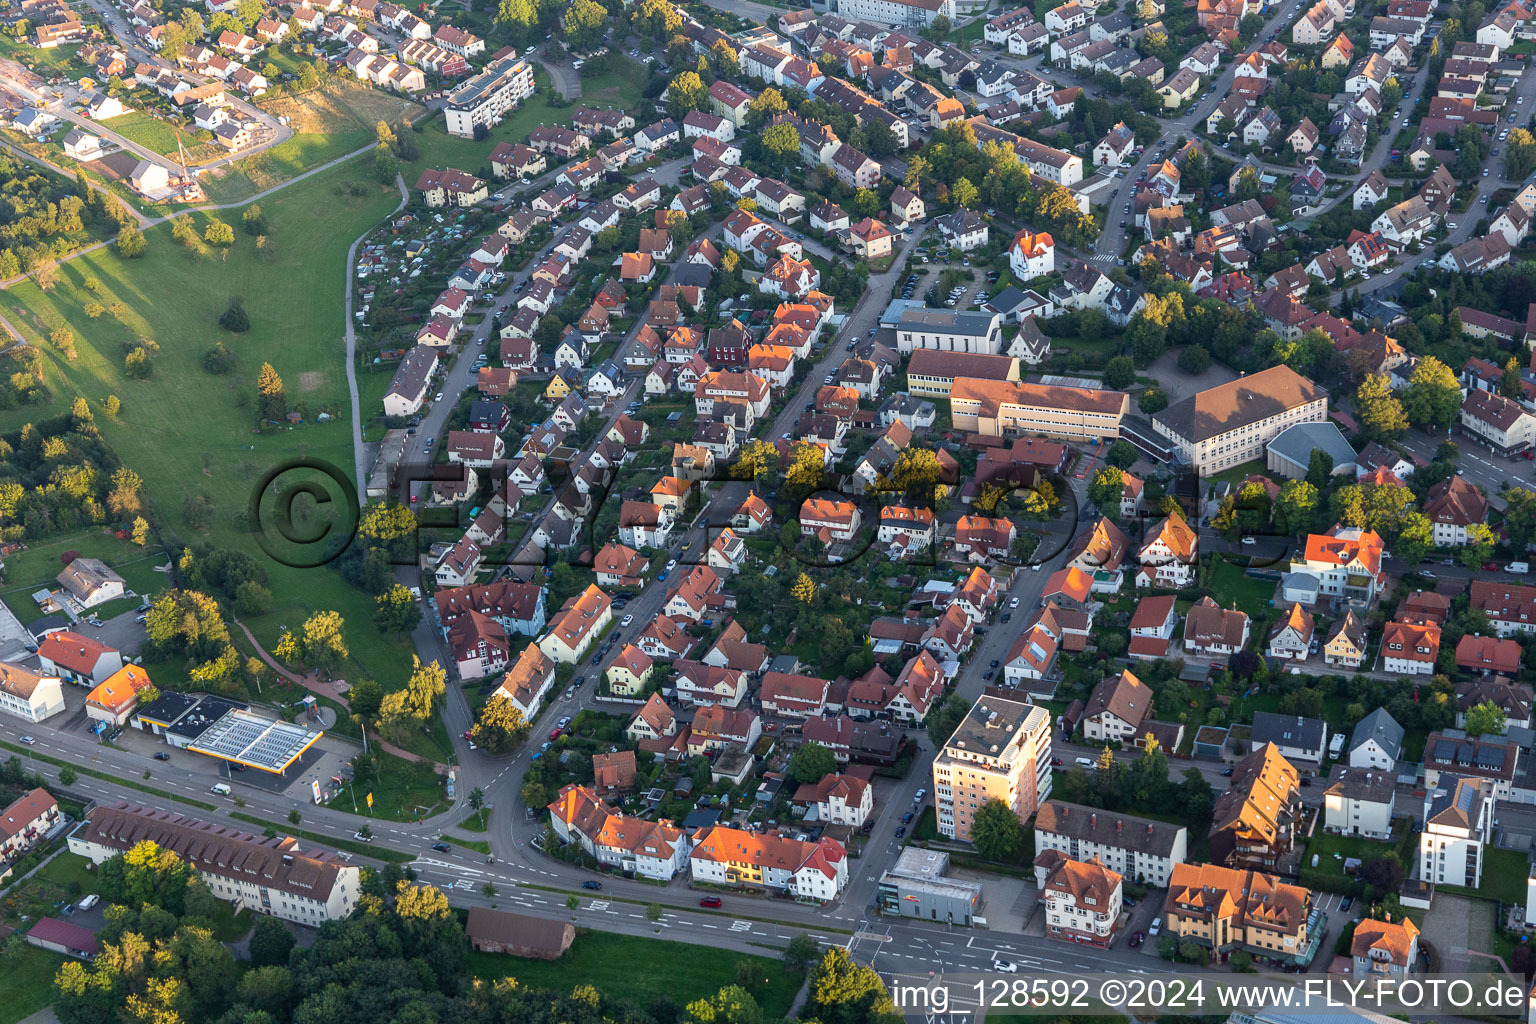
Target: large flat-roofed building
[(1018, 408), (1141, 849), (485, 99), (1000, 751), (917, 887), (268, 875), (948, 330), (930, 372), (1230, 424)]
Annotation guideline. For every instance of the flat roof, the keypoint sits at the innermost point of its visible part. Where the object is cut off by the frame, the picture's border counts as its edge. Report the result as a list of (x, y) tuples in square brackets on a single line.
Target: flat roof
[(249, 739), (197, 719), (474, 90)]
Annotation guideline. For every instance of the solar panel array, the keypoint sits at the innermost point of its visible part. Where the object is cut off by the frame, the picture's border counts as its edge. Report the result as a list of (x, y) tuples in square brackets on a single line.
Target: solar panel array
[(250, 739)]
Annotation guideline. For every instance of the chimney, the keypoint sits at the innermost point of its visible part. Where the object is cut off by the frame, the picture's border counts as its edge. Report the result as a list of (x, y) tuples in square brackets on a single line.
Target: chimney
[(1093, 821), (1119, 826)]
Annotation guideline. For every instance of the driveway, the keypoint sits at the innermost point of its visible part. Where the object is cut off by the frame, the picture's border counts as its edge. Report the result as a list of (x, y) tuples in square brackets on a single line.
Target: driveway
[(1457, 924)]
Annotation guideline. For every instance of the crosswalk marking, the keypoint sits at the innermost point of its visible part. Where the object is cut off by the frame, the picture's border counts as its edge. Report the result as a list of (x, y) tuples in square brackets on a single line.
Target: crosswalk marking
[(741, 926), (598, 905)]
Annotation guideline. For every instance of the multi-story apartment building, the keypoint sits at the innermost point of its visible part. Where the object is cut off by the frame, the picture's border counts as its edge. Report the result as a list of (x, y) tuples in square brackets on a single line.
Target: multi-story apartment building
[(28, 695), (1230, 424), (1140, 849), (266, 875), (918, 14), (1015, 408), (1458, 823), (1082, 899), (731, 856), (1116, 709), (1347, 563), (1225, 909), (1359, 802), (1452, 753), (1000, 751), (1254, 822), (579, 622), (485, 99), (23, 824)]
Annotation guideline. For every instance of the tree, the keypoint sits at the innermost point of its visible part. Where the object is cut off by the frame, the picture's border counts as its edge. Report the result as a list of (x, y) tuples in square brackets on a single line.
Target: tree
[(1248, 184), (1433, 395), (234, 319), (111, 405), (1519, 154), (782, 141), (140, 531), (844, 992), (1040, 501), (1415, 538), (1296, 507), (1106, 490), (396, 610), (324, 646), (477, 803), (755, 458), (271, 397), (1378, 410), (1152, 399), (804, 589), (997, 833), (811, 762), (687, 92), (500, 726), (67, 776), (1520, 517), (1122, 454), (270, 942), (219, 233), (252, 220), (1486, 719), (945, 717), (130, 242), (764, 107), (963, 194), (584, 23), (1479, 546), (1119, 373), (801, 950)]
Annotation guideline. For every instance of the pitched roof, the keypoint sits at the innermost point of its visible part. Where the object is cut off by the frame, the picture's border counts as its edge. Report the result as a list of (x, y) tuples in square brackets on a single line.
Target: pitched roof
[(1239, 403)]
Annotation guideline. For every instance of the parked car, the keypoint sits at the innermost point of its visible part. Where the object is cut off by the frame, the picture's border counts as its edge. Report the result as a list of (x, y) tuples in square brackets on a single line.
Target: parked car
[(162, 756), (592, 884), (1226, 772), (901, 830), (906, 819), (1136, 940)]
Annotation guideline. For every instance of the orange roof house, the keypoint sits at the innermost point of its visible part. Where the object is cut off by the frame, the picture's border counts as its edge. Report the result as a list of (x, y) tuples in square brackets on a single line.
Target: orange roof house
[(114, 700)]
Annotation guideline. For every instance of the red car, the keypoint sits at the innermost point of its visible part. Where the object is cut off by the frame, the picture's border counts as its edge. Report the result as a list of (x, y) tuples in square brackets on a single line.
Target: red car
[(1528, 455), (710, 901), (1490, 566), (554, 734), (1136, 940)]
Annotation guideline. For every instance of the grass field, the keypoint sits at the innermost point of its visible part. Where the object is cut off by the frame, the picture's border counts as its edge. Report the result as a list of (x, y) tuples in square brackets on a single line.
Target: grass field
[(329, 122), (27, 571), (28, 983), (152, 133), (1504, 877), (676, 970), (187, 432), (1229, 586)]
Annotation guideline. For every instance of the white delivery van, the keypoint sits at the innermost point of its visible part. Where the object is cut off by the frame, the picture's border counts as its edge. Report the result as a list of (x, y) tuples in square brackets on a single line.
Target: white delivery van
[(220, 788), (89, 902), (1518, 568), (1084, 762)]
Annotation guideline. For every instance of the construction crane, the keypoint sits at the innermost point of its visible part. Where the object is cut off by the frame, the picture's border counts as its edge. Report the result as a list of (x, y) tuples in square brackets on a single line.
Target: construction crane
[(191, 191)]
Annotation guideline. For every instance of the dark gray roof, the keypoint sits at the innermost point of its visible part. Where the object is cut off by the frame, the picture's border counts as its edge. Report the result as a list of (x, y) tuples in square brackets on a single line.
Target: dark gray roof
[(1122, 831), (1296, 443), (1381, 727), (1289, 731)]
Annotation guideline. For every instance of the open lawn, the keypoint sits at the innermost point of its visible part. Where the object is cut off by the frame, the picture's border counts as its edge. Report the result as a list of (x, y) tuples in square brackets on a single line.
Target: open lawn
[(675, 970), (187, 432), (1504, 877), (336, 119), (1329, 873), (151, 132), (618, 86), (402, 790), (28, 982), (70, 868), (30, 570), (1229, 587)]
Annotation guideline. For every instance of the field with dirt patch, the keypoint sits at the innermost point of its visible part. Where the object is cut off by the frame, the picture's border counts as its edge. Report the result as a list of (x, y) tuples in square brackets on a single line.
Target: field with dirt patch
[(328, 122)]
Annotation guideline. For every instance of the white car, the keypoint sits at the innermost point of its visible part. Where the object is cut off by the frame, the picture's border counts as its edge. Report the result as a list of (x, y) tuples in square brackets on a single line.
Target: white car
[(625, 621), (1014, 603), (437, 397), (671, 564), (1006, 966)]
